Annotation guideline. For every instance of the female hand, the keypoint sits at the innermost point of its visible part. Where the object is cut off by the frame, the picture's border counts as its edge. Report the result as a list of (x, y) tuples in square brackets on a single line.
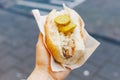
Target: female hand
[(42, 69)]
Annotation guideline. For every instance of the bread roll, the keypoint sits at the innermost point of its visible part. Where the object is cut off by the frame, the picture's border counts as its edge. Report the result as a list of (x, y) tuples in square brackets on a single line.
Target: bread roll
[(66, 48)]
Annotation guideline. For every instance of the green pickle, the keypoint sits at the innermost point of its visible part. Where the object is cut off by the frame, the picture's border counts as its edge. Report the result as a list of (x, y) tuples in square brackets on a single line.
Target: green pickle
[(62, 20), (63, 23), (68, 28)]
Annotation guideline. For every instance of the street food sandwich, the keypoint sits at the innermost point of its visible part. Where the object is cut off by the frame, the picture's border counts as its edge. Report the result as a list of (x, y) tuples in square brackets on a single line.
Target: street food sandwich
[(64, 36)]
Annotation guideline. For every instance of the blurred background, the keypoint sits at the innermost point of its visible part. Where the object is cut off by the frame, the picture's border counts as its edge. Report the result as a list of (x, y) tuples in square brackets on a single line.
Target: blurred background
[(19, 33)]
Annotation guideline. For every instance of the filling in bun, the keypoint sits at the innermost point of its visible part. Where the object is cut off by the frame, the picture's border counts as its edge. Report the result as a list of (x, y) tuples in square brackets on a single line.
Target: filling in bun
[(67, 44), (65, 28)]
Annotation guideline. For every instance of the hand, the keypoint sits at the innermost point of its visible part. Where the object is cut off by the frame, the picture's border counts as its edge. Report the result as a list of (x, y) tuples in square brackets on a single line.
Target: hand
[(42, 69)]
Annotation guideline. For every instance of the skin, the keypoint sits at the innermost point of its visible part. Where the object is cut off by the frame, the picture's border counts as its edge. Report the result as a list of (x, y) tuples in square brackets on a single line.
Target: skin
[(42, 70)]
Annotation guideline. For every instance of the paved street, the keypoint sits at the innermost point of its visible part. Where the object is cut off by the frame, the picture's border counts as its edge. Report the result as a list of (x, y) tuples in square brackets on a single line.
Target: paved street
[(19, 32)]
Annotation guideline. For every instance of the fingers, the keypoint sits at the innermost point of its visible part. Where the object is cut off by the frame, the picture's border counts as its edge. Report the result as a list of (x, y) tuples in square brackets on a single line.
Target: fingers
[(42, 55)]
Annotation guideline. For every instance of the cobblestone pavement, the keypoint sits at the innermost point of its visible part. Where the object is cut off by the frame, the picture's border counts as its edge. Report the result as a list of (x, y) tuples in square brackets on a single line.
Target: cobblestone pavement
[(19, 32)]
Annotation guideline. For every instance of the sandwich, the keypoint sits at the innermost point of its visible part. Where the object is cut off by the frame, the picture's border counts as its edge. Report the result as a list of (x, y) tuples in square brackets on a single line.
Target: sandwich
[(64, 36)]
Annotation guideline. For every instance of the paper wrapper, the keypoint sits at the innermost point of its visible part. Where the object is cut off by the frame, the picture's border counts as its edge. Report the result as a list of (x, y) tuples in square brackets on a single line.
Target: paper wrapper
[(90, 45)]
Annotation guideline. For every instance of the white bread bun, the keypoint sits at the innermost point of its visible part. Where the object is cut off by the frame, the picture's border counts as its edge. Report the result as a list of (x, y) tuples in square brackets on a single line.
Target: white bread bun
[(57, 42)]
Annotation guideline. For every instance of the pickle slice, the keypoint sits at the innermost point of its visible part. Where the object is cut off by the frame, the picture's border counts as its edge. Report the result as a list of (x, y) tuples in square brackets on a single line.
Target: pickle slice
[(68, 28), (62, 19)]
